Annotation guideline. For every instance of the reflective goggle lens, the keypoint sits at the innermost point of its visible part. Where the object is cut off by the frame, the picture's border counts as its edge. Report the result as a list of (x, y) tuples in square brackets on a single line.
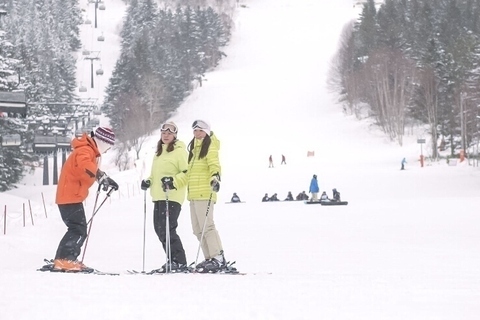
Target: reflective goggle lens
[(169, 127), (199, 124)]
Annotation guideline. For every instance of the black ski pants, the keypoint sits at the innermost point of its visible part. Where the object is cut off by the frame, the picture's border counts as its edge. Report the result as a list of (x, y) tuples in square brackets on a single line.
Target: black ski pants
[(160, 223), (73, 215)]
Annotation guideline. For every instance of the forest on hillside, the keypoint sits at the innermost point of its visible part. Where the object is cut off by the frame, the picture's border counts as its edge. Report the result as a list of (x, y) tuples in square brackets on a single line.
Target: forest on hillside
[(166, 47), (414, 62)]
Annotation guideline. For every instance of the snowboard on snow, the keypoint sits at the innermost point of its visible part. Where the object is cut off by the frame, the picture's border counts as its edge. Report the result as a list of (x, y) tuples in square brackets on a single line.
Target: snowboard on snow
[(328, 203)]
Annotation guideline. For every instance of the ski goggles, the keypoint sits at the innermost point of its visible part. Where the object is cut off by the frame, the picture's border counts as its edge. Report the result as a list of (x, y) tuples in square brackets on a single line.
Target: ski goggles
[(199, 124), (169, 127)]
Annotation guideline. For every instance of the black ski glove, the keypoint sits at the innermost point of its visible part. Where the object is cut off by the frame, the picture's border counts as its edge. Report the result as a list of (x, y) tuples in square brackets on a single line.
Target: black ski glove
[(145, 184), (167, 183), (215, 182), (109, 183)]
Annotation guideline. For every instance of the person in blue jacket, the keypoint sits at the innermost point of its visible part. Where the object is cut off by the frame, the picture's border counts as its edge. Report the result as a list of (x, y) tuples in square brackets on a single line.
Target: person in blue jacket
[(404, 161), (314, 189)]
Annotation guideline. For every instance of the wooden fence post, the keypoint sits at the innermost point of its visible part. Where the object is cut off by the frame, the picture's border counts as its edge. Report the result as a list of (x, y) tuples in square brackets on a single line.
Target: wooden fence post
[(5, 220), (44, 207), (30, 206)]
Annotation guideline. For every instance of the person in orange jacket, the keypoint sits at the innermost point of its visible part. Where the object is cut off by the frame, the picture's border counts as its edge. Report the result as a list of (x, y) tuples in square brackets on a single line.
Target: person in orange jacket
[(78, 174)]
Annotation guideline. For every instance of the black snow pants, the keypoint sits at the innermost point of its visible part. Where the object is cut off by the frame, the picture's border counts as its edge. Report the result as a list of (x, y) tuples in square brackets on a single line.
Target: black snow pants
[(159, 223), (73, 215)]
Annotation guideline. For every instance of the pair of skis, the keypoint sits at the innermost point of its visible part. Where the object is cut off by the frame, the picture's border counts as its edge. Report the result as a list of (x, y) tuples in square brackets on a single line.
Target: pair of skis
[(229, 269)]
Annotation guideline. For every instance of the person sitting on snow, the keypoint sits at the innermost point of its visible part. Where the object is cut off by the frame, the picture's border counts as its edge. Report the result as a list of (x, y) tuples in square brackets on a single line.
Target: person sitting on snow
[(324, 197), (274, 197), (235, 198), (265, 198), (336, 195), (289, 196), (302, 196)]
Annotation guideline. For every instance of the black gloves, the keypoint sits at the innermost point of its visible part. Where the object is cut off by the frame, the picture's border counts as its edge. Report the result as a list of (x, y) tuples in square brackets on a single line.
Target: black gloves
[(145, 184), (110, 183), (167, 183), (215, 182), (105, 181)]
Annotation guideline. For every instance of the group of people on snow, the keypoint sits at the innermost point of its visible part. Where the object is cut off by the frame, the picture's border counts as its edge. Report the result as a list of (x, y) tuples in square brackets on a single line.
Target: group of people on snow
[(301, 196), (174, 167)]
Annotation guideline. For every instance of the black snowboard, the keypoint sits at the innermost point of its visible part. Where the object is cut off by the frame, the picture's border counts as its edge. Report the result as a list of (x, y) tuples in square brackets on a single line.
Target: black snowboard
[(328, 203), (334, 203)]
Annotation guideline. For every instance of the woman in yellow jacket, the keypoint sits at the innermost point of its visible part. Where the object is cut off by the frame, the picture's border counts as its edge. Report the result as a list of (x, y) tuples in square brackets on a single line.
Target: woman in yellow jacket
[(203, 184), (168, 177)]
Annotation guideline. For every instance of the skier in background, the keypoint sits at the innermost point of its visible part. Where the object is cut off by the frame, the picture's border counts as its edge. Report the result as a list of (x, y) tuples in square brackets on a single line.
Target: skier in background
[(314, 188), (283, 160), (78, 174), (404, 161), (270, 162)]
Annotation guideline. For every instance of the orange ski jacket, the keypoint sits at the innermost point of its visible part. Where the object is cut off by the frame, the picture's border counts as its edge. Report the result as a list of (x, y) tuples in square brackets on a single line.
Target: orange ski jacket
[(79, 171)]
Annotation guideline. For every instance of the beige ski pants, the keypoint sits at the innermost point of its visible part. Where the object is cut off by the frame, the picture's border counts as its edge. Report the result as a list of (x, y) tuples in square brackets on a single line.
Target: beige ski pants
[(211, 244)]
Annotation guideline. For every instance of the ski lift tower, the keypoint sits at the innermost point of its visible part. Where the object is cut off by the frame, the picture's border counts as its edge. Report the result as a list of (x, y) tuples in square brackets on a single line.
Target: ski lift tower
[(99, 5), (94, 55)]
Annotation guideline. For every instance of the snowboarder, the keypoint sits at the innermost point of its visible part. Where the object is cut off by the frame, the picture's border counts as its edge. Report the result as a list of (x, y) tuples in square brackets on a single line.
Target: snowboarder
[(314, 188), (235, 198), (203, 184), (336, 195), (265, 198), (404, 161), (283, 160), (289, 196), (168, 178), (324, 197), (78, 174), (270, 162), (302, 196), (274, 197)]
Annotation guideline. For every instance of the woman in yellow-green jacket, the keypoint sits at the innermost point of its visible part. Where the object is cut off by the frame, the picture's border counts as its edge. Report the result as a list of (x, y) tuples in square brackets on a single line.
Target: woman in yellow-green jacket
[(168, 176), (203, 184)]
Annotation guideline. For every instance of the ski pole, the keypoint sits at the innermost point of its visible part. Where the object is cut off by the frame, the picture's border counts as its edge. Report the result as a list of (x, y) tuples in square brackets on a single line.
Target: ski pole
[(168, 249), (203, 229), (101, 204), (93, 215), (90, 226), (144, 226)]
